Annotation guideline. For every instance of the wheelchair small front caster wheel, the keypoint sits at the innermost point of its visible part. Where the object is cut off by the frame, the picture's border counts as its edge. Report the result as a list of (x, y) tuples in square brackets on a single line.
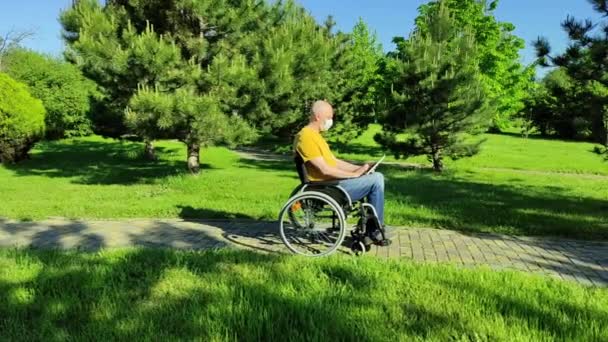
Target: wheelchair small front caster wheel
[(358, 248)]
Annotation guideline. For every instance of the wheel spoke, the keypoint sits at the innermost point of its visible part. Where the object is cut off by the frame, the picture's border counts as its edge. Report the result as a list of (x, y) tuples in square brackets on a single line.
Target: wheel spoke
[(314, 227), (327, 238)]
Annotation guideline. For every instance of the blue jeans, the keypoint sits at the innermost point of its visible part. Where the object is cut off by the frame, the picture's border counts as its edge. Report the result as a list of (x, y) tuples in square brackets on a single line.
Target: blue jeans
[(370, 186)]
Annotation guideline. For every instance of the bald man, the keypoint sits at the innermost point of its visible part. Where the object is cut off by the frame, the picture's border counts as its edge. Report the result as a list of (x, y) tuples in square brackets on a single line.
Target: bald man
[(322, 165)]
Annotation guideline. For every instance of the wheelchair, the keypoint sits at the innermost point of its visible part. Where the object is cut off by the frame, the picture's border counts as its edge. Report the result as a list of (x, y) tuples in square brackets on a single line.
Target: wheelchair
[(313, 221)]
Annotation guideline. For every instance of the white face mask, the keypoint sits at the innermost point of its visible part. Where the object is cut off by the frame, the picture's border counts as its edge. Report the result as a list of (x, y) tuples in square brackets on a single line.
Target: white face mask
[(327, 125)]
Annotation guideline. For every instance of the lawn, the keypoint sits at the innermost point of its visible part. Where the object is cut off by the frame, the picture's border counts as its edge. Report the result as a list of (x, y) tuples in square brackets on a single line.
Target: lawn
[(148, 294), (504, 151), (151, 294), (100, 178)]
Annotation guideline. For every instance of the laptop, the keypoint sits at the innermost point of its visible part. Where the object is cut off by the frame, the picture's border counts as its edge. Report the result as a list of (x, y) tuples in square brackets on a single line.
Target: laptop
[(373, 168)]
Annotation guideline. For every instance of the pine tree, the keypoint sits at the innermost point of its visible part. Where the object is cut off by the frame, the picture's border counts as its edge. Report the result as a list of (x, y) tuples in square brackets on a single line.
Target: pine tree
[(437, 95), (507, 82), (257, 64), (168, 65), (358, 81), (585, 61), (294, 68)]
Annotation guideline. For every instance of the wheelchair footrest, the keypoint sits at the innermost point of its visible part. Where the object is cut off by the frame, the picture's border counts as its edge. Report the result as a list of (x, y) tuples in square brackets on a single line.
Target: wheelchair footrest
[(384, 243)]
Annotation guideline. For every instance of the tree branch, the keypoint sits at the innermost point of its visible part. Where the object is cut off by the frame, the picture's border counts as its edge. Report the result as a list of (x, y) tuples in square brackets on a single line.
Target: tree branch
[(10, 39)]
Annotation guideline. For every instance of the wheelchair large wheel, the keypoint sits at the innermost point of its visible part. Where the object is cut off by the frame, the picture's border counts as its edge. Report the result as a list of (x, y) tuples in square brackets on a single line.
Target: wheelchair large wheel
[(312, 224)]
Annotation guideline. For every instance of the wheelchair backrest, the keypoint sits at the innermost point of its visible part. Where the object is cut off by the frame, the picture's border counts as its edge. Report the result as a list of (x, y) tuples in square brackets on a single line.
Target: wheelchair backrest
[(301, 168)]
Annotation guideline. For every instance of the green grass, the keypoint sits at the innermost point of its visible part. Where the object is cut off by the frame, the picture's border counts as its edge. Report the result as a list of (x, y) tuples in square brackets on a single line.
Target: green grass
[(99, 178), (535, 154), (500, 201), (509, 151), (147, 294)]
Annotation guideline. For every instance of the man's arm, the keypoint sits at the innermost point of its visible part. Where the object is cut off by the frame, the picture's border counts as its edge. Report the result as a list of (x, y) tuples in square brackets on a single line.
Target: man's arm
[(337, 172), (346, 166)]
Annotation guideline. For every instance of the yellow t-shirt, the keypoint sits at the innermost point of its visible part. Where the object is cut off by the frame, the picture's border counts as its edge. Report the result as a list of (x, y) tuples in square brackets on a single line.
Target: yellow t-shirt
[(310, 145)]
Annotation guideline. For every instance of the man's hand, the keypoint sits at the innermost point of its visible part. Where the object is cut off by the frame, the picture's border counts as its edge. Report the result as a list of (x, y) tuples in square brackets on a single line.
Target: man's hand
[(362, 170)]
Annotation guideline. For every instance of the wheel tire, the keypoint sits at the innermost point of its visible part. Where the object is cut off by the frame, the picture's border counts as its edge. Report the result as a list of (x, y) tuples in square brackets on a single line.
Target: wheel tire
[(316, 196)]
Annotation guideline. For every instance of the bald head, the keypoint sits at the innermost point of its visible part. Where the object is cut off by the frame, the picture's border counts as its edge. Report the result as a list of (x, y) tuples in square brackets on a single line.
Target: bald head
[(321, 113), (322, 108)]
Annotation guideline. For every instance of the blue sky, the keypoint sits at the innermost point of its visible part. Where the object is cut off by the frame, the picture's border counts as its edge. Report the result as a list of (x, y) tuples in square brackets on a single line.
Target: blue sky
[(389, 18)]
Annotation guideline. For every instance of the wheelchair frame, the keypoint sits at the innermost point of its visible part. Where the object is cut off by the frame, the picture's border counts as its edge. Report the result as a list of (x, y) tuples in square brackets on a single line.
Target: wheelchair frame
[(364, 234)]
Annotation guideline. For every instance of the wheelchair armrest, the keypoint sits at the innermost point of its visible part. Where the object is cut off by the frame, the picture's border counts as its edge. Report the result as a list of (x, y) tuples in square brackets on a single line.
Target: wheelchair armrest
[(324, 183), (333, 189)]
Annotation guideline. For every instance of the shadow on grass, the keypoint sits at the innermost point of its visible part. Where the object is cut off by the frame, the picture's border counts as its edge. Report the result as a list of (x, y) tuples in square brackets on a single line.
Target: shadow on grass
[(189, 212), (562, 320), (480, 207), (234, 295), (472, 206), (537, 136), (99, 162), (83, 296), (269, 165)]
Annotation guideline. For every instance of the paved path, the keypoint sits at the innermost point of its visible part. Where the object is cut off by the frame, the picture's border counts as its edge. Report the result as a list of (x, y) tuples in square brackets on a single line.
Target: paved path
[(582, 261)]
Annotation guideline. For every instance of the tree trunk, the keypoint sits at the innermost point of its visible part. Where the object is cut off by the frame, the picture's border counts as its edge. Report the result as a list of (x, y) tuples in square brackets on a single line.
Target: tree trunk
[(193, 158), (437, 159), (605, 129), (149, 151)]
